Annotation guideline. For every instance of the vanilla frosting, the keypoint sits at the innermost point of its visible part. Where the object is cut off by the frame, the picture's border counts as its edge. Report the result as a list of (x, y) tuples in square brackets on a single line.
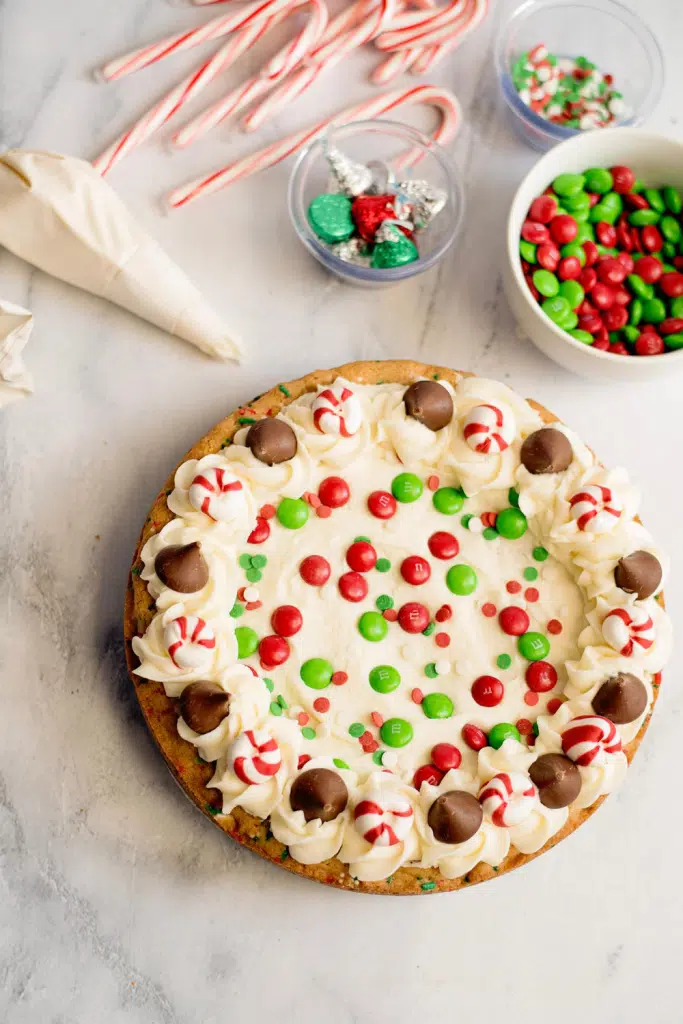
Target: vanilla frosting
[(16, 325), (558, 574), (59, 214)]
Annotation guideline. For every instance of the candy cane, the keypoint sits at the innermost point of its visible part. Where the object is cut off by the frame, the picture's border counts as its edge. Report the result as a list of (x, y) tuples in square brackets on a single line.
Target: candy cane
[(337, 410), (595, 509), (508, 798), (442, 99), (189, 642), (322, 59), (277, 68), (217, 493), (255, 757), (274, 71), (425, 27), (223, 25), (384, 824), (487, 430), (630, 631), (588, 738)]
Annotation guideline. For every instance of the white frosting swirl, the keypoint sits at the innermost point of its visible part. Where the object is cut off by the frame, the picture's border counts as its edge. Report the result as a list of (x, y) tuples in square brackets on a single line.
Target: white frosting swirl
[(156, 663), (261, 799), (476, 470), (489, 844), (179, 501), (285, 479), (221, 588), (249, 703), (311, 842), (370, 863), (403, 437), (329, 449)]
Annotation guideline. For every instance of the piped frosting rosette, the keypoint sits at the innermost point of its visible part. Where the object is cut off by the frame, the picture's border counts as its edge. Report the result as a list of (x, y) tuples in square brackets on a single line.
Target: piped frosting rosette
[(248, 709), (333, 423), (288, 479), (219, 563), (383, 835), (638, 631), (592, 517), (593, 670), (596, 576), (531, 824), (541, 493), (210, 496), (180, 647), (606, 771), (489, 844), (311, 842), (486, 433), (256, 767), (404, 437)]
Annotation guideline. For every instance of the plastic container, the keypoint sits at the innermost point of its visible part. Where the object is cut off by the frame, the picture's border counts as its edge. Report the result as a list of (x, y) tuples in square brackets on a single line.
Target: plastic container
[(655, 159), (386, 141), (607, 33)]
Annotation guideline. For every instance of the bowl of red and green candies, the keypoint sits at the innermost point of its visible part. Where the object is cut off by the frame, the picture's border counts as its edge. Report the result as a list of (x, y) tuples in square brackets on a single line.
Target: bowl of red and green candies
[(594, 270)]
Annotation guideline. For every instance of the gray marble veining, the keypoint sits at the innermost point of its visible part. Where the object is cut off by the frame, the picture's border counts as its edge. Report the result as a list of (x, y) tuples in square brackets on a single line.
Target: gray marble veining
[(119, 904)]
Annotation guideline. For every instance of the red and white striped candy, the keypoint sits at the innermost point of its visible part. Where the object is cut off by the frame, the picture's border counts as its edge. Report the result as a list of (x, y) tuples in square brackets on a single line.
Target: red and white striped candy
[(255, 757), (630, 631), (337, 410), (189, 641), (386, 823), (588, 738), (595, 509), (487, 430), (218, 494), (508, 798)]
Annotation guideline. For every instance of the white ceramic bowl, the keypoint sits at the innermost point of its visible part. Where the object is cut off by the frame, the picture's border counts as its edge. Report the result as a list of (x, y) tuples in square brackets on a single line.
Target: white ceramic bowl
[(655, 159)]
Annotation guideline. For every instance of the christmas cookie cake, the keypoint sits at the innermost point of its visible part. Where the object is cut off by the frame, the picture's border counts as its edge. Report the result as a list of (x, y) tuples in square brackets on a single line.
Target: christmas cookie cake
[(395, 628)]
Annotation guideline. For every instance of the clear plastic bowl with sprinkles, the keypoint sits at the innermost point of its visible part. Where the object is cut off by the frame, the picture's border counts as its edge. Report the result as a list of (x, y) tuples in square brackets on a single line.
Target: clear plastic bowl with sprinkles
[(568, 67)]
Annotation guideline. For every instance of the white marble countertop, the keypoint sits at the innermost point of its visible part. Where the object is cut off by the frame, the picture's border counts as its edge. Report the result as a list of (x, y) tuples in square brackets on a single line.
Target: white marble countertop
[(119, 903)]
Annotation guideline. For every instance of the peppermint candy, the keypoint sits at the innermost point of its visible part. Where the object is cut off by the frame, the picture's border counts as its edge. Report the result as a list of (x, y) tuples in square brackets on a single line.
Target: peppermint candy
[(508, 798), (595, 509), (337, 410), (630, 631), (588, 738), (487, 430), (189, 642), (218, 494), (384, 824), (255, 757)]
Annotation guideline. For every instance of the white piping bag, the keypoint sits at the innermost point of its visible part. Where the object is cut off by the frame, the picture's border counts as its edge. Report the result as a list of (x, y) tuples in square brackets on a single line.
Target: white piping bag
[(59, 214)]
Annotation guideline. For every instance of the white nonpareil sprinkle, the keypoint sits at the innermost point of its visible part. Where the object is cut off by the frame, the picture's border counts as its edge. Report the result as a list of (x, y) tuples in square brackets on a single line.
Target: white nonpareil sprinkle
[(251, 594), (475, 525), (442, 667), (389, 759), (617, 107)]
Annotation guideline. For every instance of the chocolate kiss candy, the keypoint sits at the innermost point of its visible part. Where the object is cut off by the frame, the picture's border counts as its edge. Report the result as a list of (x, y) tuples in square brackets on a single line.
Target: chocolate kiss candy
[(546, 451), (557, 779), (182, 568), (429, 403), (272, 441), (621, 698), (455, 817), (319, 793), (204, 705), (639, 574), (330, 217), (351, 178)]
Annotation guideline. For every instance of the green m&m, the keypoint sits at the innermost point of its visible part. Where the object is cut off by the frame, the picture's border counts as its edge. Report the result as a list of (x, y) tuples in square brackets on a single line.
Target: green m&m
[(501, 732), (448, 500), (533, 646), (396, 732), (511, 523), (293, 513), (384, 678), (546, 283), (372, 626), (316, 673), (437, 705), (247, 641), (461, 579), (406, 487)]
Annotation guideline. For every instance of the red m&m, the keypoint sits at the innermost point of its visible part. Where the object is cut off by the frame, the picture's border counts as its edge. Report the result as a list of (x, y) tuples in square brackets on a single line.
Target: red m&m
[(443, 545), (446, 757), (315, 570), (541, 676), (382, 504), (513, 620), (286, 620), (488, 691), (361, 556), (415, 570), (273, 651), (353, 587), (413, 617), (334, 492)]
